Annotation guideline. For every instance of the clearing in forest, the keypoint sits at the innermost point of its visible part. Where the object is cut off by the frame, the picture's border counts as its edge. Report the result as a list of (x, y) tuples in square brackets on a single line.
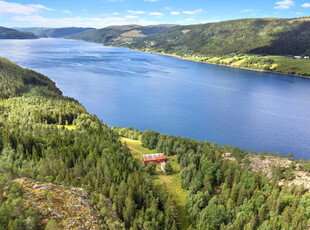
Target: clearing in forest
[(172, 181)]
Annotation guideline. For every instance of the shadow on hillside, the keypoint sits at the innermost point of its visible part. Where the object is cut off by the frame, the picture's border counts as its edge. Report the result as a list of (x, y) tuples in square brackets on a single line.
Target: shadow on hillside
[(295, 41)]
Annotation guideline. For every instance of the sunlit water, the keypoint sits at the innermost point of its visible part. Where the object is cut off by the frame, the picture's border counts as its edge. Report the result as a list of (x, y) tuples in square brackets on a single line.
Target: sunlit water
[(253, 110)]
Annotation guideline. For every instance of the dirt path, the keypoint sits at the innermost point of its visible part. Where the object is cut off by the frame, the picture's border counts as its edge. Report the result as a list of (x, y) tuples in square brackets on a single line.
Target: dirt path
[(134, 149)]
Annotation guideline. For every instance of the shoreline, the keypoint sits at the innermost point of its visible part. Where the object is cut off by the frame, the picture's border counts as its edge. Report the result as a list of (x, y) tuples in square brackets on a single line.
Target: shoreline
[(206, 62)]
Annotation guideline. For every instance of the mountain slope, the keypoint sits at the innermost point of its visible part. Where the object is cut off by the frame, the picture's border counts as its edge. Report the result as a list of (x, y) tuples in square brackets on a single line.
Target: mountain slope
[(55, 141), (16, 81), (7, 33), (253, 36), (54, 32), (119, 35), (245, 36)]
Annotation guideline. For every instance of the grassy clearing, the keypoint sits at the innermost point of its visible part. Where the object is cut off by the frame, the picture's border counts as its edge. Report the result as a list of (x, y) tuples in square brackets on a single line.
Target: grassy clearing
[(289, 65), (281, 64), (69, 127), (172, 182), (173, 185), (136, 148)]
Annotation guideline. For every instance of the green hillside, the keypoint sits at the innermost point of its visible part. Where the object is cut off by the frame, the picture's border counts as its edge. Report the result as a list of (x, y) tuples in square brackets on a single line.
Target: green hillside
[(16, 81), (7, 33), (42, 32), (47, 140), (270, 36), (245, 36), (119, 35)]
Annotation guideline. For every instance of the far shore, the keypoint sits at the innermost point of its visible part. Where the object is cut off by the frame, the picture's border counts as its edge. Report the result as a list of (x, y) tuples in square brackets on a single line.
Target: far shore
[(206, 62)]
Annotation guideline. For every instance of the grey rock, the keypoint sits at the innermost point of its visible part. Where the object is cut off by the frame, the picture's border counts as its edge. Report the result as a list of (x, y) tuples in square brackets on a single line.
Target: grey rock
[(37, 186), (46, 188)]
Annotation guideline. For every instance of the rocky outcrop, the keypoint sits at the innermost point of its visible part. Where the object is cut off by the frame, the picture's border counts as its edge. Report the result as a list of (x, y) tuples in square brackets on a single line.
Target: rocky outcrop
[(71, 207)]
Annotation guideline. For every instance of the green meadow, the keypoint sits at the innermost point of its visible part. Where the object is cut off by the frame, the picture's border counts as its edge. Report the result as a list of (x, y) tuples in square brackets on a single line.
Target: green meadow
[(281, 64)]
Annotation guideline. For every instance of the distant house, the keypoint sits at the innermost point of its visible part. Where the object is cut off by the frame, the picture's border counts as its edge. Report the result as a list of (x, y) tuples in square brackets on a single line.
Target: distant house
[(306, 57), (297, 57), (156, 158)]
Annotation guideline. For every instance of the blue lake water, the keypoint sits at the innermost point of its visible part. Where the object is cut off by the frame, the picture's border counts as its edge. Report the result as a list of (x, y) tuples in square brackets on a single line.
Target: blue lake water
[(252, 110)]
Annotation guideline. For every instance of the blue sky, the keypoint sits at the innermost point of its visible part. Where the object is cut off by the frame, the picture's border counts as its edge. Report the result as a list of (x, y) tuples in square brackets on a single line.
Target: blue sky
[(102, 13)]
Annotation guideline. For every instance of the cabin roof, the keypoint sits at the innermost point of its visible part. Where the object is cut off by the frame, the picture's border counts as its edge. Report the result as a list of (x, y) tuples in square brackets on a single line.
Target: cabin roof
[(153, 157)]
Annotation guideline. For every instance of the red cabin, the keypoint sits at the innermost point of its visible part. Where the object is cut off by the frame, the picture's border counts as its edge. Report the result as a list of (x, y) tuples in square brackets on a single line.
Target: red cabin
[(156, 158)]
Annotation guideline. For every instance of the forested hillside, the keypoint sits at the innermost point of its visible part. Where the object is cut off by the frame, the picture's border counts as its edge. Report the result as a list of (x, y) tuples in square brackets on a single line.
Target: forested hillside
[(7, 33), (119, 35), (230, 188), (51, 140), (245, 36), (42, 32), (47, 137)]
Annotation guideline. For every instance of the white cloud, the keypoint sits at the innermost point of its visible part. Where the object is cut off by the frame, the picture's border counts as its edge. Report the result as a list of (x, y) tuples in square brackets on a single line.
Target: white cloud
[(174, 13), (190, 19), (131, 17), (7, 8), (66, 11), (156, 13), (84, 10), (115, 13), (194, 11), (97, 22), (136, 12), (151, 0), (306, 5), (247, 10), (285, 4), (36, 20)]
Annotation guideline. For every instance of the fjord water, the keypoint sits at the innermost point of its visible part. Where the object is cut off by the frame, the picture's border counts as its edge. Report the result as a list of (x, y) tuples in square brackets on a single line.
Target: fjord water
[(252, 110)]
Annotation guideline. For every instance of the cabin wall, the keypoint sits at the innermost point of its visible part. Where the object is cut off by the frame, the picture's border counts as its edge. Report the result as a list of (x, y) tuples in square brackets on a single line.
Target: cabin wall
[(154, 161)]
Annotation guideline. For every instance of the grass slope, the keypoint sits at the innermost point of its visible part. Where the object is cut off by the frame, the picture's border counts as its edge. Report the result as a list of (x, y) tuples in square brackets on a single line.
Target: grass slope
[(172, 182), (272, 63)]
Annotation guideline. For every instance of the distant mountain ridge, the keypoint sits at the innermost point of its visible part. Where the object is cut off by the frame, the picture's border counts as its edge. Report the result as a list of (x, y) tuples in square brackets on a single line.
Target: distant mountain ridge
[(246, 36), (8, 33), (43, 32), (120, 35), (274, 36)]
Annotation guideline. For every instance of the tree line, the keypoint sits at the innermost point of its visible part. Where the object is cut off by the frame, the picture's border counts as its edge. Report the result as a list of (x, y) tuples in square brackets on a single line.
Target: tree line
[(226, 194)]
